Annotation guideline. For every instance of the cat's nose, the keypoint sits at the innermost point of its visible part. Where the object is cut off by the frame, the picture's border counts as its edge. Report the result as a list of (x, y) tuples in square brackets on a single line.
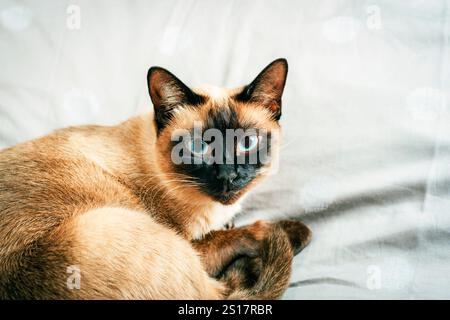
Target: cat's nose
[(226, 175)]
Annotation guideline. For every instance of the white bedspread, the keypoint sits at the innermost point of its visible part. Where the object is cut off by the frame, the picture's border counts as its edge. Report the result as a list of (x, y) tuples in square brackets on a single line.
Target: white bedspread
[(366, 118)]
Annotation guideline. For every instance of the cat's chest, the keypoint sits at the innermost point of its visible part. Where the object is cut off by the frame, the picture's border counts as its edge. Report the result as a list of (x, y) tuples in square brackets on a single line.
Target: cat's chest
[(212, 218)]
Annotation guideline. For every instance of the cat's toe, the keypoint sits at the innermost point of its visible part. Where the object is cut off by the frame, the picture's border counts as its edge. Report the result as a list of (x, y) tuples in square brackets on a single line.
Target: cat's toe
[(229, 225)]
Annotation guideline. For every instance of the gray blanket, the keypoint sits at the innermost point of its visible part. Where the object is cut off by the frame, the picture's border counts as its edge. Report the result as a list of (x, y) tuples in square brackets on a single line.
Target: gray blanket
[(366, 154)]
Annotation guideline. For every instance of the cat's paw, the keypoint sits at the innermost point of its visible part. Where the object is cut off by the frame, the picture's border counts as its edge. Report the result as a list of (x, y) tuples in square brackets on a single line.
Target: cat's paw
[(299, 234), (229, 225)]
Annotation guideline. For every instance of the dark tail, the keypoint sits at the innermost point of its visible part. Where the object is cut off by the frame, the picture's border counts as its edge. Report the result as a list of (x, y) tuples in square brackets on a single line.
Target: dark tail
[(272, 269)]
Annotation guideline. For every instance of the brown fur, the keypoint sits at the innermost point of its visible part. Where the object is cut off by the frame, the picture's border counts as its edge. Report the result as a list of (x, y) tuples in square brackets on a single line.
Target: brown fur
[(107, 199)]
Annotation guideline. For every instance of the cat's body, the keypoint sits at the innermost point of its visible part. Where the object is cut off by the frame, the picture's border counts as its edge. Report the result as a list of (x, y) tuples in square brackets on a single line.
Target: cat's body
[(51, 185), (105, 201)]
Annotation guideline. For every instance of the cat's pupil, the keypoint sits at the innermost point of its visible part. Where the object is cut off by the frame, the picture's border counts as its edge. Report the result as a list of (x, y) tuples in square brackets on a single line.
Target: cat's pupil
[(249, 142), (199, 146)]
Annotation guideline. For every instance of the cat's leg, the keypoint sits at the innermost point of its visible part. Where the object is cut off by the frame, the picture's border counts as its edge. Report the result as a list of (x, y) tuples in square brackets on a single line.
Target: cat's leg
[(244, 272), (236, 256), (219, 248), (112, 253)]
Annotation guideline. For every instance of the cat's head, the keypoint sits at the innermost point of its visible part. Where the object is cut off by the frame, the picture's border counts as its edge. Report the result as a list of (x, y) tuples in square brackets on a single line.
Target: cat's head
[(217, 143)]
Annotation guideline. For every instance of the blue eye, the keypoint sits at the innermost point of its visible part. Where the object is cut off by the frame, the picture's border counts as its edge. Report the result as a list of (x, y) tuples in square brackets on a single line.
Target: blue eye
[(248, 143), (198, 147)]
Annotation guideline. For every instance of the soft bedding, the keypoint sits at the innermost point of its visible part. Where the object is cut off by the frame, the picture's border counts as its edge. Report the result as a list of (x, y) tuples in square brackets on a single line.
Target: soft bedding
[(366, 116)]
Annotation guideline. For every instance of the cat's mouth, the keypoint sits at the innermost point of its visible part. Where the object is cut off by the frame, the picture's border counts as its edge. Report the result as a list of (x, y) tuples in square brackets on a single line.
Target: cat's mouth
[(226, 197)]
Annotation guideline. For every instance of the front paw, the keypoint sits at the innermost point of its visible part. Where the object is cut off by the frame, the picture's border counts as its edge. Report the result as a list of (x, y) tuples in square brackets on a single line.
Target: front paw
[(229, 225)]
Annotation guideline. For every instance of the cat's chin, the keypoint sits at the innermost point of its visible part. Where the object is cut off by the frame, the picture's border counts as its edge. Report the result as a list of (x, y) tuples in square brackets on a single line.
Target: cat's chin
[(228, 198)]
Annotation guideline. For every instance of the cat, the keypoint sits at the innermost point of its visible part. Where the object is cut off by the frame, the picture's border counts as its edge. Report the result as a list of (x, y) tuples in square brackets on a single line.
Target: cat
[(110, 203)]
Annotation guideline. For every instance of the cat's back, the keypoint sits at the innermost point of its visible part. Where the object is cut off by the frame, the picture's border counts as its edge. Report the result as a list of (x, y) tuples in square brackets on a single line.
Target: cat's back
[(44, 181)]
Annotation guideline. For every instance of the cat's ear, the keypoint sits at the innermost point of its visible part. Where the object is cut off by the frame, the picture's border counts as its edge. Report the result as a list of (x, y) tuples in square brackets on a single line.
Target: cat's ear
[(267, 88), (168, 93)]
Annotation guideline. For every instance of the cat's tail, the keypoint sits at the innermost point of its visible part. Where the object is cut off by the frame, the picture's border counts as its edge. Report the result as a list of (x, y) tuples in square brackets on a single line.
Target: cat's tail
[(277, 253)]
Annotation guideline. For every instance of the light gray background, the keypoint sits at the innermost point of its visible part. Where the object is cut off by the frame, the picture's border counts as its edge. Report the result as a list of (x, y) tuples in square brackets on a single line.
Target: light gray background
[(366, 158)]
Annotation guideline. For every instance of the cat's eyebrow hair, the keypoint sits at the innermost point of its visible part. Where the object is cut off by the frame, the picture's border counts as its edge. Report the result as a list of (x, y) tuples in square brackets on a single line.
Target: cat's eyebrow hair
[(223, 118)]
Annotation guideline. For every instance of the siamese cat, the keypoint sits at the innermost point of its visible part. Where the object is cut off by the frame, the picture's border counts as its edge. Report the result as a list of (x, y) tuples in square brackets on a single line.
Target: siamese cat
[(111, 203)]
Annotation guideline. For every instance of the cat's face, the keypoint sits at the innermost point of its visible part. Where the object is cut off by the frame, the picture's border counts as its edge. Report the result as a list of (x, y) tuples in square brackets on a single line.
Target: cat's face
[(217, 143)]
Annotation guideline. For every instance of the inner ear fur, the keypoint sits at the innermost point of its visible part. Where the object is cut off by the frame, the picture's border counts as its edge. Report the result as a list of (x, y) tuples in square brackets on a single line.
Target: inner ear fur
[(267, 88), (167, 93)]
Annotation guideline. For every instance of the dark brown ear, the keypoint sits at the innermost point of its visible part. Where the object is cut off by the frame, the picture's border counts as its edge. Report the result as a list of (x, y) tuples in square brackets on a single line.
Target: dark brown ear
[(168, 93), (267, 88)]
